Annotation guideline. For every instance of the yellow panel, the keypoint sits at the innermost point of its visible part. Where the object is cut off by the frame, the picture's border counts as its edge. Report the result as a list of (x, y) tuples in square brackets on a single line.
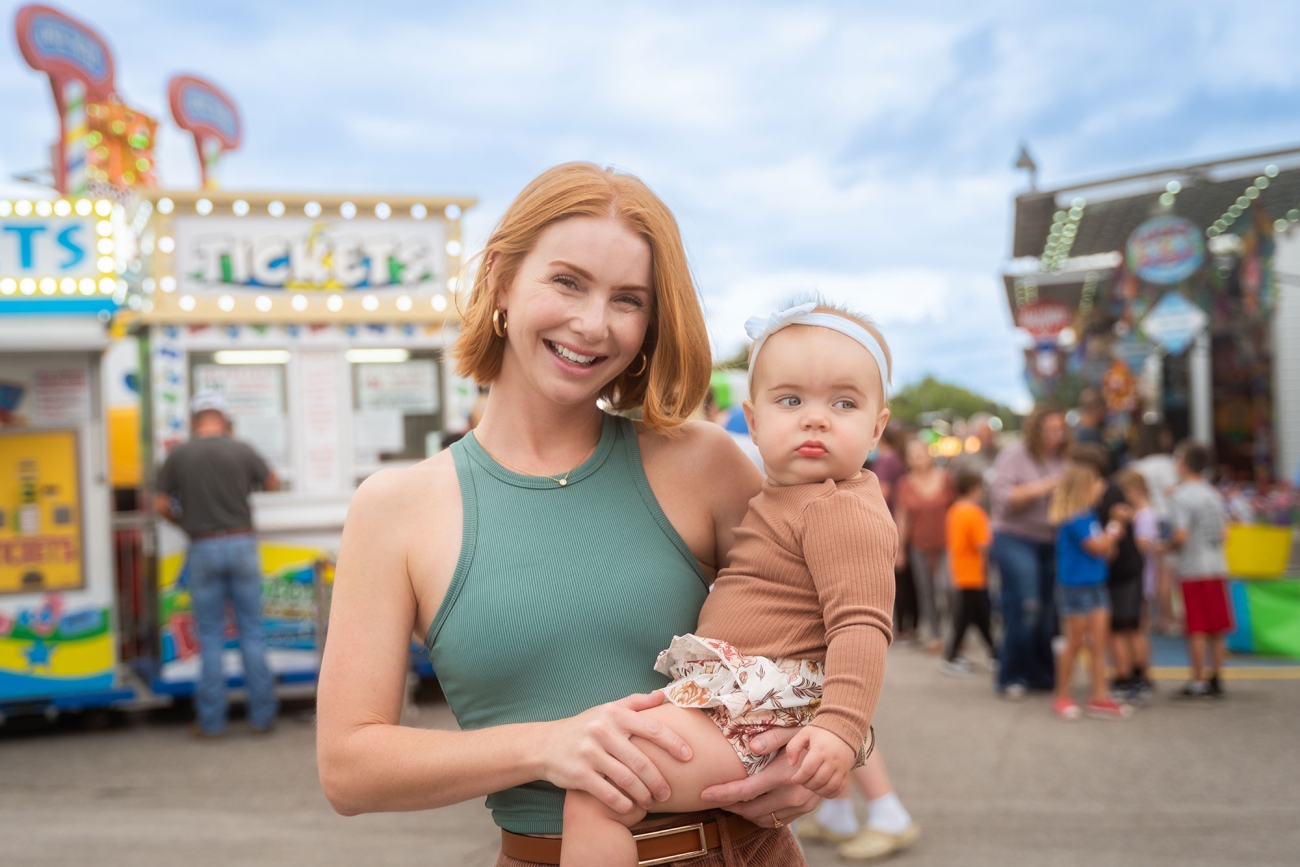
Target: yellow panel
[(40, 512), (124, 446)]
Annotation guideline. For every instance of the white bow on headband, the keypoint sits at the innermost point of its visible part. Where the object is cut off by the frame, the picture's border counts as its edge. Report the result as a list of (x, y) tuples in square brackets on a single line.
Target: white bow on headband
[(759, 330)]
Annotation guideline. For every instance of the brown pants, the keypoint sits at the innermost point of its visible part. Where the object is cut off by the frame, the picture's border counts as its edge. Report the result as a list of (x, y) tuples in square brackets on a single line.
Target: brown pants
[(774, 848)]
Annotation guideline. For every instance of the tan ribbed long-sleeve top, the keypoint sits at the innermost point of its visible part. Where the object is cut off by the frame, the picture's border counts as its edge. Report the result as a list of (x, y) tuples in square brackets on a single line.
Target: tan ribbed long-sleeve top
[(812, 577)]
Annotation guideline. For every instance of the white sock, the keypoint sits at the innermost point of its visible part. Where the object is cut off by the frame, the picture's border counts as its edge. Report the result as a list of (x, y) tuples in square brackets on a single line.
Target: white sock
[(888, 814), (836, 814)]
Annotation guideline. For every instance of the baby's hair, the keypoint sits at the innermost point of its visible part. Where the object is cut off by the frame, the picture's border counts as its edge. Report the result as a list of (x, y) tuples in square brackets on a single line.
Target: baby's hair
[(1074, 493), (824, 306)]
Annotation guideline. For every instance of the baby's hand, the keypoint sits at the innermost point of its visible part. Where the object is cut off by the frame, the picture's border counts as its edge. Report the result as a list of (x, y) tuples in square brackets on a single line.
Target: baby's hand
[(826, 765)]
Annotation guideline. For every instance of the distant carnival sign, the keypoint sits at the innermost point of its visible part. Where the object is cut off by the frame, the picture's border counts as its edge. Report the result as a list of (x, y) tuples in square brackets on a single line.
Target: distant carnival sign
[(223, 253), (1044, 319), (1166, 250)]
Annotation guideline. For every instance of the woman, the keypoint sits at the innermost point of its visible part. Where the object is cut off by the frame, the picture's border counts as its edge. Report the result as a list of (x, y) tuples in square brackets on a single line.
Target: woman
[(1025, 474), (921, 508), (551, 535), (888, 467)]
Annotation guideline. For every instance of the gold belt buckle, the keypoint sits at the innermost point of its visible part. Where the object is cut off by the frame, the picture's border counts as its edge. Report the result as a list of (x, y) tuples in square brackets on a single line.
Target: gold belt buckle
[(698, 828)]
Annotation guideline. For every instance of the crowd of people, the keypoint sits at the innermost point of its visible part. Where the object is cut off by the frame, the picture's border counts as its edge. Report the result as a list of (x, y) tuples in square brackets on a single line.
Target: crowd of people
[(1064, 549)]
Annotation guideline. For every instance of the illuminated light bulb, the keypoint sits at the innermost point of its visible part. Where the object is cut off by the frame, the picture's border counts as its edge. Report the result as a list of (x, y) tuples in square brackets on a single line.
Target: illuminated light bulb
[(419, 212), (226, 303), (382, 211), (203, 207), (62, 208), (8, 286), (404, 303), (276, 208), (370, 302), (1280, 225), (311, 209), (452, 212), (83, 207), (44, 208), (105, 264), (1173, 187), (262, 303), (166, 244), (68, 286), (6, 208), (1079, 203), (49, 285), (1252, 192), (148, 285), (87, 286), (439, 303), (167, 283), (187, 302), (335, 303), (27, 286), (104, 246), (1262, 182), (103, 207), (1059, 217), (166, 205), (452, 284), (1213, 231), (453, 247), (103, 228), (347, 210), (240, 207), (1293, 215), (299, 303), (23, 208), (107, 285), (1271, 171)]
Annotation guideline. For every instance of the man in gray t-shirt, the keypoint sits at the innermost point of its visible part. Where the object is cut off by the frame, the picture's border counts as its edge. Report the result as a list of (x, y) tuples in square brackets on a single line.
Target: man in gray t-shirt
[(1199, 523), (210, 478)]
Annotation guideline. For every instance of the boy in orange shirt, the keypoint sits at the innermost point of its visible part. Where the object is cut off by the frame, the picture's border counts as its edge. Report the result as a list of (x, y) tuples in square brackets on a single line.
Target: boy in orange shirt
[(969, 536)]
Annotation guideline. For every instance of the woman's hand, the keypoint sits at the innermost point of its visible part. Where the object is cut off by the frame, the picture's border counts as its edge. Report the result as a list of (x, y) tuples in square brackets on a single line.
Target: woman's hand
[(593, 752), (769, 796)]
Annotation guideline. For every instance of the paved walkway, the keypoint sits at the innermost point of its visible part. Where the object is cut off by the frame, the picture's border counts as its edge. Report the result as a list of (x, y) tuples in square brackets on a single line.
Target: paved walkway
[(992, 783)]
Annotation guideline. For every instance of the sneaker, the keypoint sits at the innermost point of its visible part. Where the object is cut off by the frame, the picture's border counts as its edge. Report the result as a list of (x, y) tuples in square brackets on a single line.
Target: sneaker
[(1108, 709), (1066, 709), (956, 667), (1014, 691), (1194, 689), (199, 733), (1214, 688), (872, 844), (809, 830), (1143, 691)]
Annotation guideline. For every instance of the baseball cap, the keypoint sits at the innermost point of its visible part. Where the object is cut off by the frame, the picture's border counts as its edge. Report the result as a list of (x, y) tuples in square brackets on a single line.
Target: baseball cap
[(209, 401)]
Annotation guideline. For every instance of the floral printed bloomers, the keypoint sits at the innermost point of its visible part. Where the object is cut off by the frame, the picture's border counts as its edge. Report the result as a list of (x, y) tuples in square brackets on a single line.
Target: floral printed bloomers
[(743, 695)]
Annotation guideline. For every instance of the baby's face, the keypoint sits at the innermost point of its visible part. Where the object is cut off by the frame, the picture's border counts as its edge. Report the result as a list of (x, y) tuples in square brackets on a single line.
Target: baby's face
[(817, 409)]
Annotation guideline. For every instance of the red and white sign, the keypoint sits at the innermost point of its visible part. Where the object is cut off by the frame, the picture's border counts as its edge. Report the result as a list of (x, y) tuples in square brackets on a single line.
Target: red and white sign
[(1044, 319), (201, 108), (64, 48)]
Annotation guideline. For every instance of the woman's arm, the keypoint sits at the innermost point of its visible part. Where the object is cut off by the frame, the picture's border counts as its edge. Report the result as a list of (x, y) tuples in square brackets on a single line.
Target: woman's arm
[(370, 763)]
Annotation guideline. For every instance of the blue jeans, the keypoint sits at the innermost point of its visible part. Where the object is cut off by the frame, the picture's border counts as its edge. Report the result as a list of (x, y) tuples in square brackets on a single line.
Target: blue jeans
[(1028, 611), (228, 568)]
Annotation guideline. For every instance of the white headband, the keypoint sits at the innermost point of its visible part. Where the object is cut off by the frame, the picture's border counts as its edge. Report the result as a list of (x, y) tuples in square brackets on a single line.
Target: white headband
[(802, 314)]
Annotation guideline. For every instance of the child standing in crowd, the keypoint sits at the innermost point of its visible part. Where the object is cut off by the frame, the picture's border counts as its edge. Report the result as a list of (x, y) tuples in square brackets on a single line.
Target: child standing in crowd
[(1146, 530), (796, 629), (1082, 551), (969, 536), (1199, 521)]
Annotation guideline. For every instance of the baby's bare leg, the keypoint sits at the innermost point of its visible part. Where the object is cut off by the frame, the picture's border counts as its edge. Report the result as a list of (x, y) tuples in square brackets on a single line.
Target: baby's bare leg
[(595, 835)]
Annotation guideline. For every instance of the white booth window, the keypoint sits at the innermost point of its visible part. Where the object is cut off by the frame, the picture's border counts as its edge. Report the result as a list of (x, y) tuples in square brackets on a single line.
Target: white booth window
[(397, 410), (253, 384)]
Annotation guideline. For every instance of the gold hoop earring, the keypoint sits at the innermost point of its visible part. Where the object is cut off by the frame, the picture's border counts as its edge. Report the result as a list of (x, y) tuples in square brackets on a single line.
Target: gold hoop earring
[(645, 362), (499, 323)]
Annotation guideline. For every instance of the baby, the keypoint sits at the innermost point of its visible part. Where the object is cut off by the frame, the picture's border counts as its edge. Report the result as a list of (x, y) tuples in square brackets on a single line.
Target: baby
[(795, 631)]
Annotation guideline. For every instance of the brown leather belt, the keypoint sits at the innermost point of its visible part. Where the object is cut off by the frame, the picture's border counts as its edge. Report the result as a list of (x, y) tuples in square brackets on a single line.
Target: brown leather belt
[(676, 843), (221, 534)]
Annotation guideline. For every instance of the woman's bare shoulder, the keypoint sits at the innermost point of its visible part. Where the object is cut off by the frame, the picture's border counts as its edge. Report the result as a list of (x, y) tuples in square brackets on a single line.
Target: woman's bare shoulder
[(693, 442), (390, 494)]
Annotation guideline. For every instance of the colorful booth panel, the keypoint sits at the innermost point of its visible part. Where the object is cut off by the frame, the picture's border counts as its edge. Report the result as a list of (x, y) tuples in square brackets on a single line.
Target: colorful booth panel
[(53, 649), (1267, 616), (288, 616)]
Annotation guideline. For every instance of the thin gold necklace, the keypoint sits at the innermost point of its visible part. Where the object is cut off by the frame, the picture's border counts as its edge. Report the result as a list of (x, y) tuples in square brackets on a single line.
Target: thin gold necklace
[(562, 481)]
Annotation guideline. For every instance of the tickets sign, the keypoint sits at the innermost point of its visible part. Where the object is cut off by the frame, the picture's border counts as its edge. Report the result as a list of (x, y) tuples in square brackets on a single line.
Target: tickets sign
[(1166, 250), (1044, 319), (53, 247)]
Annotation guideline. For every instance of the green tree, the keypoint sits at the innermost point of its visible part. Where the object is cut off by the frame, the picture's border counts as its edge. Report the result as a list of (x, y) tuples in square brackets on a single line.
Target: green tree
[(930, 395)]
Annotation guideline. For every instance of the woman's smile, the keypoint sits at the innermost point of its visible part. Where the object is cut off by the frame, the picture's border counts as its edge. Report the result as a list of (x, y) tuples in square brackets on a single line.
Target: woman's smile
[(572, 357)]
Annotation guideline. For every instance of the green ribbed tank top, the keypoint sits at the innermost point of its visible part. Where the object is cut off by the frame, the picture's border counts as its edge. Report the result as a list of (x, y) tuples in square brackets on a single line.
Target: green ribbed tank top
[(561, 599)]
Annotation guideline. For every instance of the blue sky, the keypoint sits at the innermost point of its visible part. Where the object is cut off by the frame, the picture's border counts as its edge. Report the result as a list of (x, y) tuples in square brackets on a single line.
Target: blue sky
[(863, 149)]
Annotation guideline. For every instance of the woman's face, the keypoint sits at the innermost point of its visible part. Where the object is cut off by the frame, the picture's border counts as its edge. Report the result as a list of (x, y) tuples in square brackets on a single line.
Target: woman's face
[(578, 309), (919, 458), (1053, 433)]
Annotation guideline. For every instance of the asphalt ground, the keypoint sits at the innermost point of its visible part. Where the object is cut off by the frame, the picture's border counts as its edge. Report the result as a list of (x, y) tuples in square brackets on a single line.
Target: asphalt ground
[(991, 782)]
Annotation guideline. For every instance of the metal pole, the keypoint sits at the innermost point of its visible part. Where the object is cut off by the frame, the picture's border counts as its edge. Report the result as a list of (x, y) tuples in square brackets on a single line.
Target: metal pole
[(1202, 390)]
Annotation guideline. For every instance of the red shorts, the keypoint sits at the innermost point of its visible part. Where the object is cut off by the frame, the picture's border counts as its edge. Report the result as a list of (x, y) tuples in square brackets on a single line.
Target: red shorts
[(1206, 603)]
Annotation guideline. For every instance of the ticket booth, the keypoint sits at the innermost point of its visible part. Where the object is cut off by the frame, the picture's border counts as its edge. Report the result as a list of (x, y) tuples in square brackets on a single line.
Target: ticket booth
[(59, 288), (324, 321)]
